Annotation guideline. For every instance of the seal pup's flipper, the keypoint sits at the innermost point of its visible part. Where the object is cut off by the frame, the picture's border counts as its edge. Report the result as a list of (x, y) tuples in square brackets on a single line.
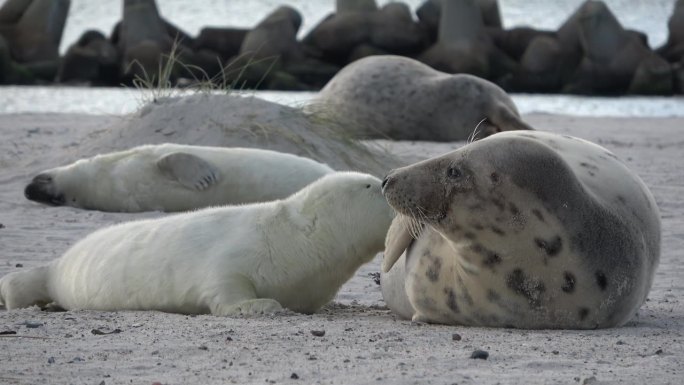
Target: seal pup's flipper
[(190, 170), (25, 288), (397, 241)]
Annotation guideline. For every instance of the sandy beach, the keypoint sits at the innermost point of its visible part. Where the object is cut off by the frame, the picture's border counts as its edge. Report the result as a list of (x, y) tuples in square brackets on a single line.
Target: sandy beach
[(363, 342)]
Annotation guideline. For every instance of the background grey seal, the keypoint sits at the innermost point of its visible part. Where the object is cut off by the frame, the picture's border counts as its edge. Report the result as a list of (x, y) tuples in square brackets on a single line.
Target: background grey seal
[(400, 98), (521, 229)]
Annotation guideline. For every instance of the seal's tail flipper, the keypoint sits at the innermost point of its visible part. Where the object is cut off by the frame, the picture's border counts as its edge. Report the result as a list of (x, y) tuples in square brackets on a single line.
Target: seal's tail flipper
[(24, 288)]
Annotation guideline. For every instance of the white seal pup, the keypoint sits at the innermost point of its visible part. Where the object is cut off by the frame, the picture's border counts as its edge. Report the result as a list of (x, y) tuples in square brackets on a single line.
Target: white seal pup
[(521, 229), (403, 99), (174, 177), (248, 259)]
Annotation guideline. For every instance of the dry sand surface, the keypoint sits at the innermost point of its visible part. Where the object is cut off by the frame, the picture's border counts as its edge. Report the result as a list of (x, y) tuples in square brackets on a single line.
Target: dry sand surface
[(362, 341)]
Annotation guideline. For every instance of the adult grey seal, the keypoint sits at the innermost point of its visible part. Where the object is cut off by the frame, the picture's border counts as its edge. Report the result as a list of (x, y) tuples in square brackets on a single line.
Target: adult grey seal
[(400, 98), (522, 229), (249, 259), (174, 177)]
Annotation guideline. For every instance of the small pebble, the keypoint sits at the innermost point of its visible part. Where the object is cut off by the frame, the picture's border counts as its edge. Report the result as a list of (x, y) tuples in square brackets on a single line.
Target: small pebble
[(229, 338), (620, 343), (480, 354), (456, 337), (19, 265), (318, 333), (203, 347), (7, 332), (99, 332), (51, 360), (555, 352), (659, 351), (32, 325), (2, 226), (294, 376)]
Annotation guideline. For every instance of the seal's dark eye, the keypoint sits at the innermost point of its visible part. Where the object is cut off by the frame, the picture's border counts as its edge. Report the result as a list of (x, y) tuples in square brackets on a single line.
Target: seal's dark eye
[(368, 186), (454, 172)]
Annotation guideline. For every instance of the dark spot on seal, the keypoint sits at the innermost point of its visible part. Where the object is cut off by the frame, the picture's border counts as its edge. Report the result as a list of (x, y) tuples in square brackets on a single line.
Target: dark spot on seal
[(499, 204), (498, 231), (478, 248), (583, 313), (538, 214), (433, 270), (530, 288), (495, 178), (470, 235), (621, 199), (451, 300), (493, 296), (492, 260), (513, 209), (569, 285), (551, 247), (589, 166), (601, 280), (477, 226)]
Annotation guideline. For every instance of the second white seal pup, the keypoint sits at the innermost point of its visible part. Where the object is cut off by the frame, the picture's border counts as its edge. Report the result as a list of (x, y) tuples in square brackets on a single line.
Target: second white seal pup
[(174, 177), (521, 229), (250, 259)]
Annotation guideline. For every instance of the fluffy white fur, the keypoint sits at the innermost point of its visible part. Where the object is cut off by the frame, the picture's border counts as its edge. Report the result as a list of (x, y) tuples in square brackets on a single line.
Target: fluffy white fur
[(251, 259), (174, 177)]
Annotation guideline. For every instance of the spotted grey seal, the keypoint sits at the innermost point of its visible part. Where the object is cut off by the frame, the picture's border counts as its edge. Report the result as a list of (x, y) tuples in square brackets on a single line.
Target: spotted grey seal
[(521, 229), (400, 98)]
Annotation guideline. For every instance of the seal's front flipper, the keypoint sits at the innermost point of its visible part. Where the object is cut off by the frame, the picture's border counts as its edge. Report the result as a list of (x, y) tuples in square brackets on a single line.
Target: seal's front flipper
[(253, 307), (25, 288), (235, 296), (190, 170), (397, 241)]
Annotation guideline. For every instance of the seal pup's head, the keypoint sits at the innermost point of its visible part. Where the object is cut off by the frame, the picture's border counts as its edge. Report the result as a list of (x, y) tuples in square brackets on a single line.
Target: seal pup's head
[(350, 204), (61, 186)]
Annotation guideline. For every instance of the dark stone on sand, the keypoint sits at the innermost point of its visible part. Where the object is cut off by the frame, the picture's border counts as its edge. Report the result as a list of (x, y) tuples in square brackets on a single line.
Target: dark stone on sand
[(479, 354), (318, 333)]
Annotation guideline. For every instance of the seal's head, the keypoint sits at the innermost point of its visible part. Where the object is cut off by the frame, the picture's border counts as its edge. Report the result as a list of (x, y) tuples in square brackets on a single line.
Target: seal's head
[(64, 186), (43, 189), (353, 203), (482, 188)]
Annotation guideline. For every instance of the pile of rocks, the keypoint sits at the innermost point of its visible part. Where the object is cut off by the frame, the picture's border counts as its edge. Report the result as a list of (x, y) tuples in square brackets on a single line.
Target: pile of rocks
[(591, 53)]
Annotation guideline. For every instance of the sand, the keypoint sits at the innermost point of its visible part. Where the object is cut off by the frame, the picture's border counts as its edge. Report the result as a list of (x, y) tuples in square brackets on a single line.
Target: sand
[(362, 342)]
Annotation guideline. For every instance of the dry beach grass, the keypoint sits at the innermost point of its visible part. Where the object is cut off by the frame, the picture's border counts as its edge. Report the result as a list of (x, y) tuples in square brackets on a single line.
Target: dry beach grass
[(363, 342)]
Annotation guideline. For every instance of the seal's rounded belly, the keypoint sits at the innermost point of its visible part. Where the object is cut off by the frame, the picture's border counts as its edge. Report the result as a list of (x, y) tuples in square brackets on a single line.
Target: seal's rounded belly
[(522, 229)]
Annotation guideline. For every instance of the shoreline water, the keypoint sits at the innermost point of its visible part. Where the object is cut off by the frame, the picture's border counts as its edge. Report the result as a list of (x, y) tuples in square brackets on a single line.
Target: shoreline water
[(119, 101)]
